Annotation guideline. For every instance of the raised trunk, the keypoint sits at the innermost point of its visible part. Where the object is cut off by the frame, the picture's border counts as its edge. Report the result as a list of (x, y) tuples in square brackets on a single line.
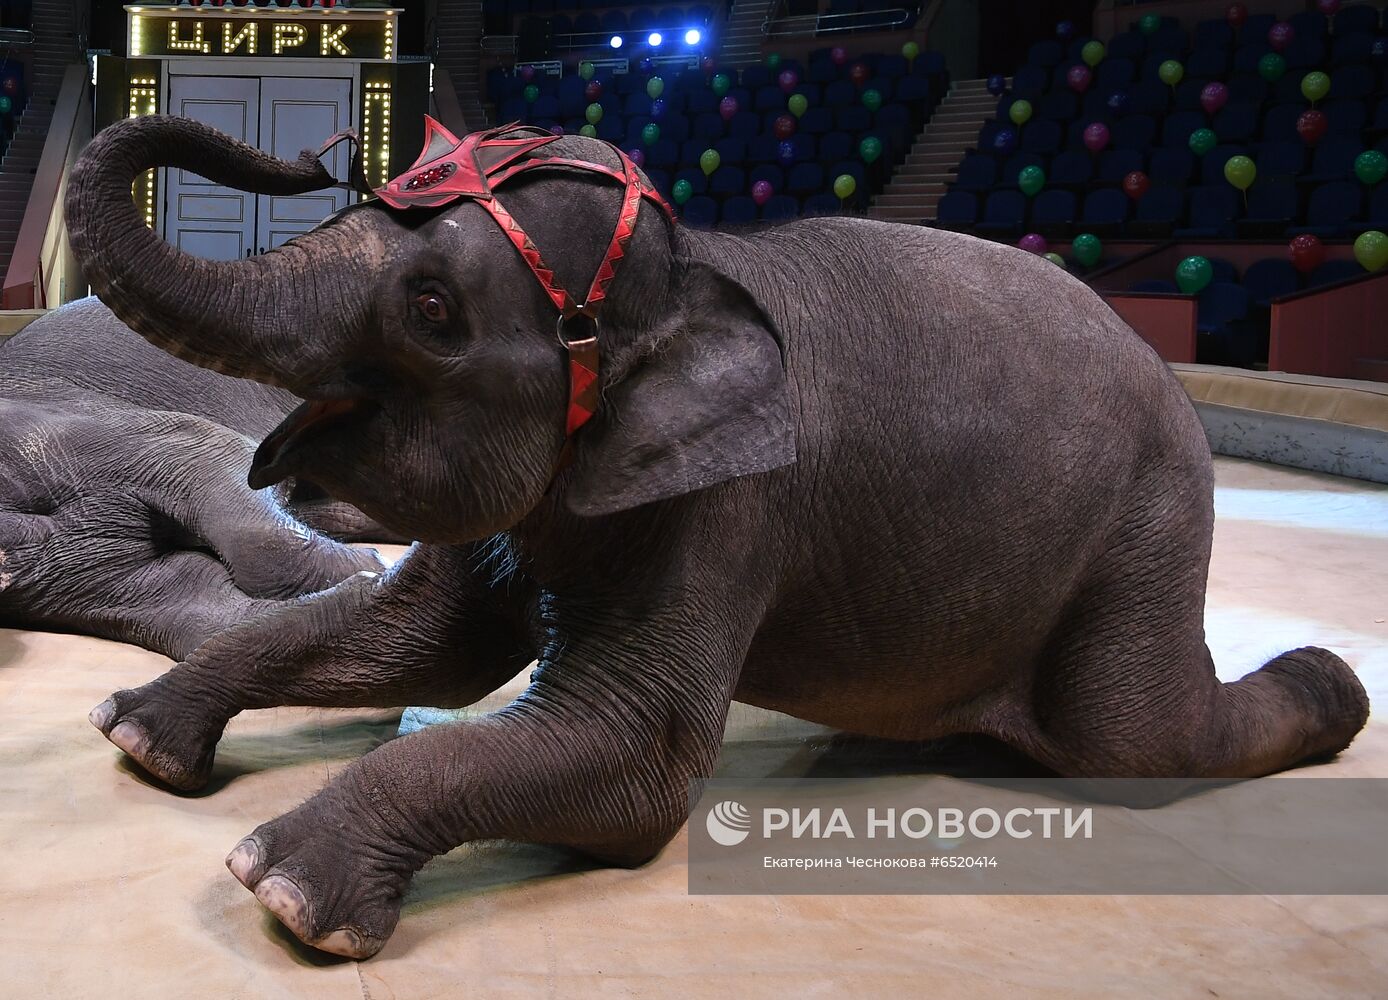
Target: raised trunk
[(276, 318)]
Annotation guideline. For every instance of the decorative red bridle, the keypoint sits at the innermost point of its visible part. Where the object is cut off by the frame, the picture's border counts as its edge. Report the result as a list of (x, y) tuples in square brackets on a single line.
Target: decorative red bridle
[(479, 163)]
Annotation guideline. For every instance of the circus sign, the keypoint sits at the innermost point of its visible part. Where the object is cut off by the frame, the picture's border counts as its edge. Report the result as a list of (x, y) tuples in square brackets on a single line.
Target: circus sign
[(260, 33)]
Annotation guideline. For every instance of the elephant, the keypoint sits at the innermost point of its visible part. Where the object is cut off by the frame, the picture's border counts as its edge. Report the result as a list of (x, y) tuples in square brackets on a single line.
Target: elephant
[(892, 480), (124, 509)]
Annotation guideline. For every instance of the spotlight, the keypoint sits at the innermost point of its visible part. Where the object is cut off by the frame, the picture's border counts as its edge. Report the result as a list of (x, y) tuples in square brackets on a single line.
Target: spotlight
[(692, 36), (654, 39), (616, 42)]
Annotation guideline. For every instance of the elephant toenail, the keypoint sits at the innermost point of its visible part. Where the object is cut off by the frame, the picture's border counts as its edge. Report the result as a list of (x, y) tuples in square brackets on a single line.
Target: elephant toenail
[(285, 900), (347, 942), (102, 714), (129, 737), (243, 859)]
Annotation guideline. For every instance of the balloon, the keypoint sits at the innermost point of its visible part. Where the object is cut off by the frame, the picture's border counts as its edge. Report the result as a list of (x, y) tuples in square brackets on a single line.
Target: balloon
[(1031, 180), (527, 73), (858, 73), (1371, 250), (1213, 96), (6, 105), (1312, 126), (1148, 24), (838, 55), (997, 83), (557, 130), (1034, 243), (762, 192), (871, 148), (682, 192), (593, 92), (784, 127), (655, 86), (1095, 136), (1004, 140), (1093, 53), (1202, 140), (709, 161), (1135, 184), (1055, 259), (1328, 7), (1236, 15), (1306, 252), (1117, 101), (593, 113), (798, 104), (637, 156), (727, 107), (1065, 30), (1315, 86), (646, 64), (585, 70), (910, 50), (658, 108), (1171, 72), (650, 135), (773, 61), (1378, 51), (844, 186), (872, 99), (785, 152), (589, 131), (1271, 67), (1280, 35), (1240, 172), (1193, 274), (721, 83), (531, 93), (789, 80), (11, 86), (1087, 249), (707, 64), (1370, 167), (1079, 78), (1020, 112)]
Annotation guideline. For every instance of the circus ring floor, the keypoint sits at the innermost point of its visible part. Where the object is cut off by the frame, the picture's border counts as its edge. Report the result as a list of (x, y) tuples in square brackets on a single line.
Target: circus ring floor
[(111, 887)]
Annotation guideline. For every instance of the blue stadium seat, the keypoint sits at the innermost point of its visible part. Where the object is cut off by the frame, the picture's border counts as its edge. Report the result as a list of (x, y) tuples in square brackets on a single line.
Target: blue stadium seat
[(1133, 132), (1104, 212), (1281, 159), (1114, 73), (1127, 45), (836, 146), (1058, 105), (1207, 64), (1212, 163), (700, 212), (1157, 212), (1354, 48), (1041, 137), (1030, 80), (1304, 54), (732, 151), (977, 172), (1221, 303), (957, 210), (805, 179), (727, 181), (1211, 213), (1248, 87), (1377, 215), (1351, 82), (768, 172), (769, 99), (816, 121), (1332, 271), (1046, 52), (1272, 205), (1354, 19), (1071, 169), (1279, 123), (1178, 126), (1015, 164), (851, 119), (1269, 279), (694, 177), (1171, 166), (1331, 209), (1213, 34), (823, 204), (780, 207), (1346, 116), (1236, 122), (1115, 164), (1334, 158), (1003, 214), (1148, 97), (1053, 212)]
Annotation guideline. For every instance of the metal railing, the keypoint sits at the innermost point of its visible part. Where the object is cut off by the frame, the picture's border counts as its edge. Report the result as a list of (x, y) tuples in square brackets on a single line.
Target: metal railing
[(830, 24), (16, 37)]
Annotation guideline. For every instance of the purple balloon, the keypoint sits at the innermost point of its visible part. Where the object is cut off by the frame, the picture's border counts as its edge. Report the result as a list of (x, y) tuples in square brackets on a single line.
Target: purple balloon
[(527, 73), (557, 130), (785, 152), (762, 192), (1095, 136), (1065, 30), (997, 83), (1213, 97), (637, 156), (1118, 101), (1079, 77), (1280, 35), (727, 107), (658, 108), (1033, 243), (1004, 140)]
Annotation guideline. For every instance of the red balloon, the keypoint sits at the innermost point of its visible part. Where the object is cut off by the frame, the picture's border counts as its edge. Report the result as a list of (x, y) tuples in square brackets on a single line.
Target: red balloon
[(1213, 97), (789, 80), (527, 73), (10, 86), (762, 192), (707, 65), (1236, 15), (1280, 35), (1095, 136), (1135, 184), (727, 107), (593, 91), (838, 55), (1079, 78), (1306, 252), (1311, 126), (784, 127), (1328, 7), (858, 73)]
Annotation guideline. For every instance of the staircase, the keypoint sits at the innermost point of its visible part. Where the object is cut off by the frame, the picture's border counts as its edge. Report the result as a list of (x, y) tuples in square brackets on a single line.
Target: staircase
[(54, 47), (919, 183), (460, 53), (740, 42)]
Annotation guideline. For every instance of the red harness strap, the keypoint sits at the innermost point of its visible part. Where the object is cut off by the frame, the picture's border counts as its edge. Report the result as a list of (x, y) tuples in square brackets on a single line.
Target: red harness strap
[(474, 167)]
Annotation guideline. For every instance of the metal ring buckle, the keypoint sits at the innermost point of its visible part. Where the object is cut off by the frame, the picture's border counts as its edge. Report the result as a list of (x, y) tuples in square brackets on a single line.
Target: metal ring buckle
[(568, 339)]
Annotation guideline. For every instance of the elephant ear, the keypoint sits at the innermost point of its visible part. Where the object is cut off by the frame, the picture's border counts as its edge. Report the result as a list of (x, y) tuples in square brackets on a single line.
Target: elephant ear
[(709, 404)]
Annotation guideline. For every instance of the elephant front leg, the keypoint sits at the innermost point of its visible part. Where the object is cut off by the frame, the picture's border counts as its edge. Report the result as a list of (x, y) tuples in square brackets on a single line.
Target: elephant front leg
[(601, 762)]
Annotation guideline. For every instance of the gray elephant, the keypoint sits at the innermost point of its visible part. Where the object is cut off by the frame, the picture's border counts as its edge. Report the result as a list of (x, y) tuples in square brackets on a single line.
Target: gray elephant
[(901, 482), (124, 509)]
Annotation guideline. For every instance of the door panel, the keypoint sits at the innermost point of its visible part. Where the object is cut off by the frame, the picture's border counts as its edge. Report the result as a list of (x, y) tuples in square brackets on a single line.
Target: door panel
[(205, 218), (298, 113)]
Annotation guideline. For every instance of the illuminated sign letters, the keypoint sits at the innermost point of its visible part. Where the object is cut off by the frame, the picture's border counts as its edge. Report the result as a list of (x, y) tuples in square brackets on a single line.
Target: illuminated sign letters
[(370, 38)]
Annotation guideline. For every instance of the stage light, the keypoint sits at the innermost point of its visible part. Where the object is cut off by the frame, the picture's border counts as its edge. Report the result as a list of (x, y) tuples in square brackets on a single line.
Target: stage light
[(693, 36), (654, 39), (616, 42)]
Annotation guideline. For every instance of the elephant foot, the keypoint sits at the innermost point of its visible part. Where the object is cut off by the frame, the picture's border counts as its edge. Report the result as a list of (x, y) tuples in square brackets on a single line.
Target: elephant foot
[(316, 871), (170, 740)]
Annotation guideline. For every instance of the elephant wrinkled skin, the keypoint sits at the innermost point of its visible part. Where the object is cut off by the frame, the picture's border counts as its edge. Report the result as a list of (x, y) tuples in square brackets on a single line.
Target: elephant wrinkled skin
[(893, 480)]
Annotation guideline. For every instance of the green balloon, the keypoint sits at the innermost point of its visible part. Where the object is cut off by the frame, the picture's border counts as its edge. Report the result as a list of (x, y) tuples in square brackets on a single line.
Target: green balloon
[(1371, 250), (1093, 53), (1148, 24), (1193, 274), (1055, 259), (910, 50), (1202, 140), (1171, 72), (531, 92), (1271, 67), (870, 149), (682, 192), (798, 104), (1020, 112), (844, 186), (593, 113), (655, 86), (1087, 249), (872, 99), (1370, 167), (721, 83), (650, 135), (1240, 172), (589, 131), (709, 161), (1315, 86), (1031, 180), (585, 70), (773, 60)]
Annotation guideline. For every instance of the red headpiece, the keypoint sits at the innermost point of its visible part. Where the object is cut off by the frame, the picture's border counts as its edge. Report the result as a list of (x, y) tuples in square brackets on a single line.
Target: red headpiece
[(474, 167)]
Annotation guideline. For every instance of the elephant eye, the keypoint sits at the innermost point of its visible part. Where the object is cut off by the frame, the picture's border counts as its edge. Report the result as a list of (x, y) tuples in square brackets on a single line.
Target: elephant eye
[(433, 308)]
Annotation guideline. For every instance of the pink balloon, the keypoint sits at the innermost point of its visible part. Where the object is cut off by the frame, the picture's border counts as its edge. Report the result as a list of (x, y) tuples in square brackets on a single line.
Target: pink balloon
[(1095, 136), (789, 80), (1034, 243), (727, 107), (527, 73), (1213, 97), (761, 192), (1280, 35), (1328, 7), (1079, 78), (637, 156), (838, 55)]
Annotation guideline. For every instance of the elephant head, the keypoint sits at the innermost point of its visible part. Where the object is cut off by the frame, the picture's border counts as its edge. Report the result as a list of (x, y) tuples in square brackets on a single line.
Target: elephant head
[(434, 364)]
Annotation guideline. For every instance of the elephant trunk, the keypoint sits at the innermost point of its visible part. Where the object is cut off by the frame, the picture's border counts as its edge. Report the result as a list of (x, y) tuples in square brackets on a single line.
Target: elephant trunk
[(272, 318)]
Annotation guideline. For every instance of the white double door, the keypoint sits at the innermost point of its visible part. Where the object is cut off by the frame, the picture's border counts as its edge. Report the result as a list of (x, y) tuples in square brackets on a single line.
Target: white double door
[(280, 115)]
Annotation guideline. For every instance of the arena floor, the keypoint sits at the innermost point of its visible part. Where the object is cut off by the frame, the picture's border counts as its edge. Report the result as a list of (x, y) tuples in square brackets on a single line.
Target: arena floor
[(111, 887)]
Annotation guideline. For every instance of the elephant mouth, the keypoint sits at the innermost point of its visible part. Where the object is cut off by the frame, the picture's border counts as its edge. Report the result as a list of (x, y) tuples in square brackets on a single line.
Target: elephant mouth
[(308, 421)]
